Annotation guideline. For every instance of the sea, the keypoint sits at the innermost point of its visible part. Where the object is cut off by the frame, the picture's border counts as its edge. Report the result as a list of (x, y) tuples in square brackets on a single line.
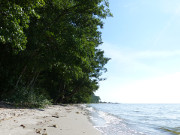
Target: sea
[(135, 119)]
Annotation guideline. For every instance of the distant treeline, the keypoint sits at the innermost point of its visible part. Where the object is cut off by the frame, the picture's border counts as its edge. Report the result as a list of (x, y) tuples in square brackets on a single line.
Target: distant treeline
[(49, 50), (95, 99)]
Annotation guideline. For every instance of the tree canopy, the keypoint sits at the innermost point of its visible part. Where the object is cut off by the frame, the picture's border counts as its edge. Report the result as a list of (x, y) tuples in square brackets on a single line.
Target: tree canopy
[(49, 50)]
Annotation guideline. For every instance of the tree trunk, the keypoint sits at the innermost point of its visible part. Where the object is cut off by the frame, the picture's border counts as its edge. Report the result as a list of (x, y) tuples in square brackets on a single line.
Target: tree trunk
[(20, 76)]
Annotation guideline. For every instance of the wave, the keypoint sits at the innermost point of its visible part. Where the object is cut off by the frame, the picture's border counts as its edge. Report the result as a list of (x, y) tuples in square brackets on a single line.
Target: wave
[(110, 124)]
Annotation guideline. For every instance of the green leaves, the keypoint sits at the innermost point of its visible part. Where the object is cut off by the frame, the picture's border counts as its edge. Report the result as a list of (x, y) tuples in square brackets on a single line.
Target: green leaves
[(14, 20), (54, 45)]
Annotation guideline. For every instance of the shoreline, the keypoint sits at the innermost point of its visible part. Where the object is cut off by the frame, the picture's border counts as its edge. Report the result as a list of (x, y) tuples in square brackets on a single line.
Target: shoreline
[(52, 120)]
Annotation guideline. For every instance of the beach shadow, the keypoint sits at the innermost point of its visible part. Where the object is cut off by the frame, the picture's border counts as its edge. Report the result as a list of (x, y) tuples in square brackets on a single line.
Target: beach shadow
[(7, 105)]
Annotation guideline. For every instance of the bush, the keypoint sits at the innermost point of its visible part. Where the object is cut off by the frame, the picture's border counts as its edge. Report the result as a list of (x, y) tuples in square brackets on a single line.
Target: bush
[(24, 97)]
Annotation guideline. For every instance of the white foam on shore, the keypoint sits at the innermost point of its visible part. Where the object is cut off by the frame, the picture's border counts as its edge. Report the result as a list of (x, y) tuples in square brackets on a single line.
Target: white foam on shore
[(109, 124)]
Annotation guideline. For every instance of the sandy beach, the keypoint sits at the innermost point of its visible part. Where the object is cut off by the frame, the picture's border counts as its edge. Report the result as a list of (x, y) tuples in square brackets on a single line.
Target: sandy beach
[(53, 120)]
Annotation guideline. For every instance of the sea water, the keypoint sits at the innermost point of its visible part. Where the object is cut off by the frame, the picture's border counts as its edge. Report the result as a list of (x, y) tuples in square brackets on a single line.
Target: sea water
[(136, 119)]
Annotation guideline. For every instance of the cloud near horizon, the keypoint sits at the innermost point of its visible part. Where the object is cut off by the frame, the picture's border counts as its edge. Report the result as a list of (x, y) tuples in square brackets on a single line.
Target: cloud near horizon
[(124, 53), (132, 78), (156, 90), (154, 62)]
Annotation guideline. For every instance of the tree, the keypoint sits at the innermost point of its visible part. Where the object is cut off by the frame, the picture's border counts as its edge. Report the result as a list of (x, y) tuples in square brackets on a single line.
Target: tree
[(59, 53), (94, 99), (15, 17)]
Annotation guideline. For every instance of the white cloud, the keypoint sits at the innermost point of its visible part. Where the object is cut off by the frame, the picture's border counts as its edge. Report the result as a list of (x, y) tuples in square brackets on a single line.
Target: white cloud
[(145, 74), (165, 89), (140, 64), (124, 54), (171, 7), (157, 54), (158, 90), (125, 58)]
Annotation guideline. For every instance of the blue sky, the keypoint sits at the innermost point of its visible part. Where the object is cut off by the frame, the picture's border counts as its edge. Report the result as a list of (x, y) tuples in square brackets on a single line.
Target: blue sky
[(143, 42)]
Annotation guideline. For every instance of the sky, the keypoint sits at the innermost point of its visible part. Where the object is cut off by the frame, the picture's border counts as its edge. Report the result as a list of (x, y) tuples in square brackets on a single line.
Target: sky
[(143, 41)]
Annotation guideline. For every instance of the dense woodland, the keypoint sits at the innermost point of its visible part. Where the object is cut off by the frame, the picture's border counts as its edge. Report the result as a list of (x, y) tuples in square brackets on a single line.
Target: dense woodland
[(49, 50)]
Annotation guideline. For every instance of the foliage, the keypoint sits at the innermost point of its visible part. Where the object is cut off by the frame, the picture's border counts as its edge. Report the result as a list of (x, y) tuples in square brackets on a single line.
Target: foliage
[(51, 45), (15, 17), (28, 98), (94, 99)]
